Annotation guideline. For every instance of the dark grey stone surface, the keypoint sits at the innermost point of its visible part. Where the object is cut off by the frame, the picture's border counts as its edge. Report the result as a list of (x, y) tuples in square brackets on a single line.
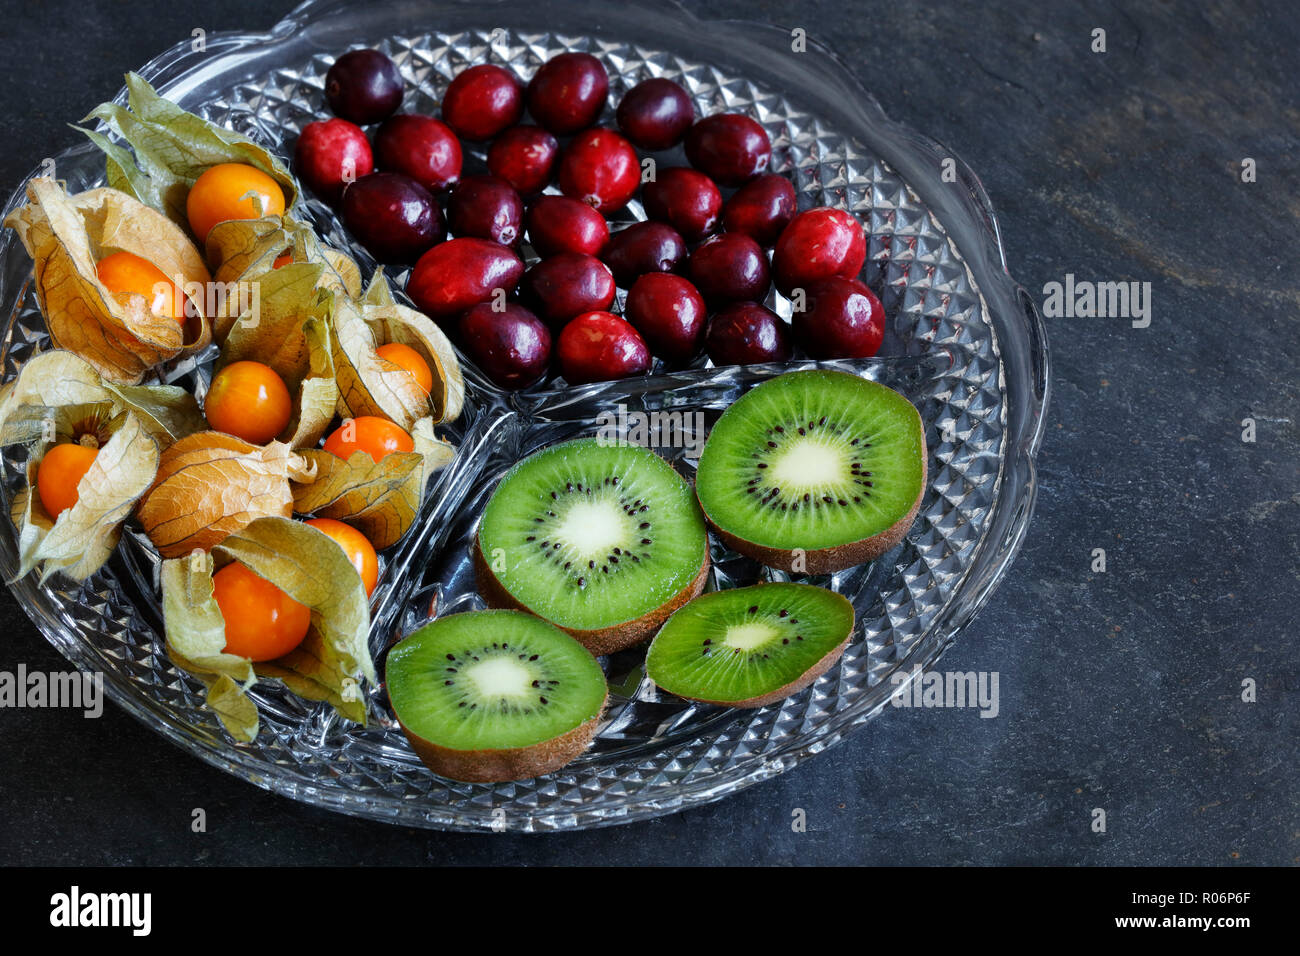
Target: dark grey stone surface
[(1119, 690)]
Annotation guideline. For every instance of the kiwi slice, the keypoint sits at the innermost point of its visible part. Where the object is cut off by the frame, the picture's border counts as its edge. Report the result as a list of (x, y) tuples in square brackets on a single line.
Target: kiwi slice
[(486, 696), (814, 471), (602, 540), (748, 647)]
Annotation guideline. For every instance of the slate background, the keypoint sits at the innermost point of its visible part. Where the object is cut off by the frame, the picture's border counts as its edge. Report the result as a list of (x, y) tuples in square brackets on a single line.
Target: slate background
[(1119, 690)]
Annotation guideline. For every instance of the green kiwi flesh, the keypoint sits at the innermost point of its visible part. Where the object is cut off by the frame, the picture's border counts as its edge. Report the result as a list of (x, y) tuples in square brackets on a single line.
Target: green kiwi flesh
[(749, 647), (602, 540), (488, 696), (814, 471)]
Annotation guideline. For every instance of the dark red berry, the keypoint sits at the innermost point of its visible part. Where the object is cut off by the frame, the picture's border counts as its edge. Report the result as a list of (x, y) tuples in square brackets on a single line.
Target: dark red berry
[(421, 147), (818, 244), (601, 169), (568, 93), (730, 147), (644, 247), (363, 86), (329, 155), (392, 215), (598, 347), (842, 319), (730, 267), (459, 274), (761, 209), (747, 333), (684, 198), (669, 313), (482, 101), (559, 224), (566, 285), (485, 207), (512, 346), (655, 114), (524, 156)]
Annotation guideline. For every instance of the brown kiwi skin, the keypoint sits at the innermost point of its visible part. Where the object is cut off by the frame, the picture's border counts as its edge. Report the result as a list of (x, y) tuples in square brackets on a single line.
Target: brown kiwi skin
[(514, 763), (796, 685), (838, 558), (601, 641)]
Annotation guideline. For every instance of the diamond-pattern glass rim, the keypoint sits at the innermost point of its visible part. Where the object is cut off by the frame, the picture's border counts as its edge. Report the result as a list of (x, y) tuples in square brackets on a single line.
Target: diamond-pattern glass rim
[(969, 350)]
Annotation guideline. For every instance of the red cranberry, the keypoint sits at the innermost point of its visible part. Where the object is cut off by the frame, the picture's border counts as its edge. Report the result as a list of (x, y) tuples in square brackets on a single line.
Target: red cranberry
[(459, 274), (363, 86), (512, 347), (566, 285), (559, 224), (761, 209), (392, 215), (730, 147), (598, 346), (524, 156), (485, 207), (600, 168), (669, 313), (329, 155), (747, 333), (818, 244), (684, 198), (644, 247), (568, 92), (655, 114), (422, 147), (730, 267), (482, 101), (843, 319)]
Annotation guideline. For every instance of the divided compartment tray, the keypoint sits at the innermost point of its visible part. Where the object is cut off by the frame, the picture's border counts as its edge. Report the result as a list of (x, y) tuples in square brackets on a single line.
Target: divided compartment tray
[(964, 343)]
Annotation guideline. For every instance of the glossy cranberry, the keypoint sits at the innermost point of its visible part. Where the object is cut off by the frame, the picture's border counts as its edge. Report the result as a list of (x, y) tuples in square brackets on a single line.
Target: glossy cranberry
[(730, 267), (363, 86), (818, 244), (568, 93), (730, 147), (482, 101), (843, 319), (644, 247), (655, 114), (524, 156), (392, 215), (669, 313), (686, 199), (559, 224), (459, 274), (511, 346), (761, 209), (485, 207), (566, 285), (421, 147), (329, 155), (598, 347), (600, 168), (747, 333)]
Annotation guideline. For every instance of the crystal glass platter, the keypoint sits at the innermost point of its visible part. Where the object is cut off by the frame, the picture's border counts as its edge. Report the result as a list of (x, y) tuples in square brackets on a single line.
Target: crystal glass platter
[(965, 344)]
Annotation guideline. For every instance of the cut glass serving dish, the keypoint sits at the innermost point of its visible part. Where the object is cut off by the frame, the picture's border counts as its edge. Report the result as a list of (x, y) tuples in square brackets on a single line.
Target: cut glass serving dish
[(964, 343)]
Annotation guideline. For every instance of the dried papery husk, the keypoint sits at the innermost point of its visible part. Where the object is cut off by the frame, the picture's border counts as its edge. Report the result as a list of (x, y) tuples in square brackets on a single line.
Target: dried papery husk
[(380, 499), (370, 385), (210, 485), (58, 378), (242, 249), (289, 331), (66, 237), (170, 148), (332, 661), (85, 534)]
